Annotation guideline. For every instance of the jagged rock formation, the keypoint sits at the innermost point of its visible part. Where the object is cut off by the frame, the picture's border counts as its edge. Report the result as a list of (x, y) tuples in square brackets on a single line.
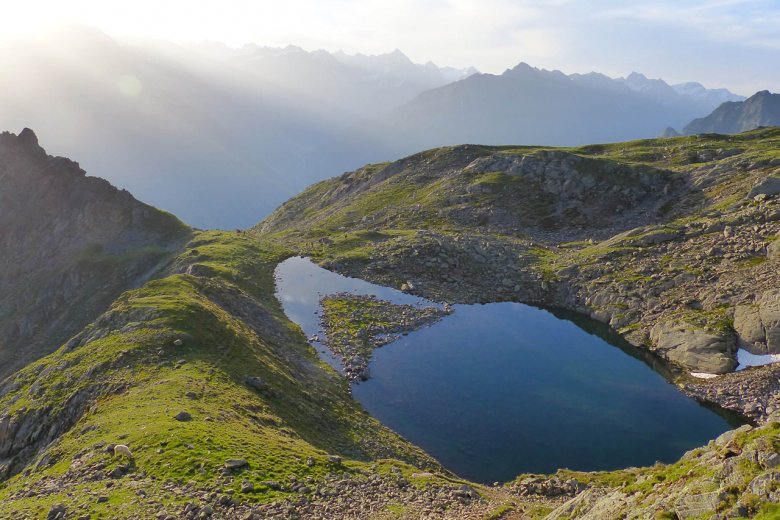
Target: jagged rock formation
[(760, 109), (70, 244)]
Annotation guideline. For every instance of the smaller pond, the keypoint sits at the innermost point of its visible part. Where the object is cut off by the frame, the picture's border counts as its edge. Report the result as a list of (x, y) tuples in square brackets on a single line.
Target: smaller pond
[(500, 389)]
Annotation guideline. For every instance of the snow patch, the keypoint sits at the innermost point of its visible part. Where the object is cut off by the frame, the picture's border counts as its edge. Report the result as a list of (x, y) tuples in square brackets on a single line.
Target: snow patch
[(746, 359)]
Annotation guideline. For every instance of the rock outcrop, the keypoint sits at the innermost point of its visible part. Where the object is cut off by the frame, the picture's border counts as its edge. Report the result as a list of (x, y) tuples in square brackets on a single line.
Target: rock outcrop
[(69, 245), (758, 324), (694, 349), (731, 477)]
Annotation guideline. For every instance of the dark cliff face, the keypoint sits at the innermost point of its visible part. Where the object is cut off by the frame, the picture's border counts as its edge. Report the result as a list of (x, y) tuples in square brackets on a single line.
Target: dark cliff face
[(69, 245), (761, 109)]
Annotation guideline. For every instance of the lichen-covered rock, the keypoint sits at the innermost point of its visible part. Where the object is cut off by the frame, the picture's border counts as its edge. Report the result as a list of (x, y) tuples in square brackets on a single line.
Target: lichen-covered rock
[(773, 250)]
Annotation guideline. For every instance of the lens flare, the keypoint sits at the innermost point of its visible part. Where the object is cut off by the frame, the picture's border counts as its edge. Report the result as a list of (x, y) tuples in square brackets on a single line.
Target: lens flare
[(130, 85)]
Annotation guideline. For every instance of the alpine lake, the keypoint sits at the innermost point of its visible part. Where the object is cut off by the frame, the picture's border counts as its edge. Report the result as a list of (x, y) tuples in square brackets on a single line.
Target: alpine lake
[(500, 389)]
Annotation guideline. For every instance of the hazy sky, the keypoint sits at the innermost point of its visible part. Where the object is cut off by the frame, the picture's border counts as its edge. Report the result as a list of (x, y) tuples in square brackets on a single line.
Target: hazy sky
[(721, 43)]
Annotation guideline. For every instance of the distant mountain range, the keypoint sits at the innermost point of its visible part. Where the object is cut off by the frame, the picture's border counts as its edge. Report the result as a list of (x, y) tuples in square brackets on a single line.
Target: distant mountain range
[(221, 136), (211, 133), (760, 109), (525, 105), (341, 84)]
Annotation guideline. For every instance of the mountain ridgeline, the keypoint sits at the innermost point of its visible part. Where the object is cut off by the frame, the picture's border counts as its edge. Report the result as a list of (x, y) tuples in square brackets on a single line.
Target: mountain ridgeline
[(760, 109), (222, 136), (524, 105), (141, 331), (211, 133), (70, 245)]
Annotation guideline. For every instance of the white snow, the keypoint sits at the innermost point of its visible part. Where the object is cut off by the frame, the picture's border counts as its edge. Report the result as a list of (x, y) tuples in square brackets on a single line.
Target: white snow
[(703, 375), (746, 359)]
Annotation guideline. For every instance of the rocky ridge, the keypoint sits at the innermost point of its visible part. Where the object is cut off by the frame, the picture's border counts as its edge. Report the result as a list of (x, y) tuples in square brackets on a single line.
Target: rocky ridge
[(760, 109), (70, 245)]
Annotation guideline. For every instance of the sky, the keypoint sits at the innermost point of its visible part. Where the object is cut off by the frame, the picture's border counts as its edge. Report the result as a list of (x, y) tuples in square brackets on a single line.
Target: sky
[(720, 43)]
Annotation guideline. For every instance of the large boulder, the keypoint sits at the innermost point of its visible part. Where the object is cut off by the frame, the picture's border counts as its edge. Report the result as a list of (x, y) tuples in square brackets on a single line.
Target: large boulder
[(697, 350), (773, 250), (758, 325), (769, 187)]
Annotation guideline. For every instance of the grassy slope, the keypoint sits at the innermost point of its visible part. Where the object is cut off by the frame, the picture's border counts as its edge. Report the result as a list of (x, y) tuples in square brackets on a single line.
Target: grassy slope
[(396, 206), (143, 378)]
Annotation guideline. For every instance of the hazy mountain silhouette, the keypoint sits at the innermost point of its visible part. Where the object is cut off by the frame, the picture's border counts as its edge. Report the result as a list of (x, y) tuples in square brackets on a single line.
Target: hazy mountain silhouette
[(524, 105), (212, 136), (221, 136), (760, 109)]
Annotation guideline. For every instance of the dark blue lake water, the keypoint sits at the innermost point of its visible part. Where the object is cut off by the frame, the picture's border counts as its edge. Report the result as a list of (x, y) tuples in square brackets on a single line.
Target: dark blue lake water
[(500, 389)]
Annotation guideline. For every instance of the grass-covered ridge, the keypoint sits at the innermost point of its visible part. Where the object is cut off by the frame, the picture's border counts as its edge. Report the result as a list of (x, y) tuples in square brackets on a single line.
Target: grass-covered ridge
[(436, 190), (188, 343)]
